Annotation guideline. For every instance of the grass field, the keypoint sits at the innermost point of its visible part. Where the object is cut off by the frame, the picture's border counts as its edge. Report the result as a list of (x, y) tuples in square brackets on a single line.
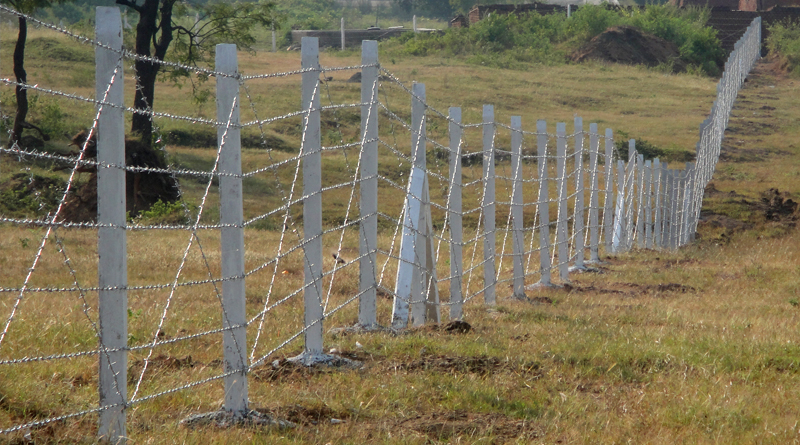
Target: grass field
[(694, 346)]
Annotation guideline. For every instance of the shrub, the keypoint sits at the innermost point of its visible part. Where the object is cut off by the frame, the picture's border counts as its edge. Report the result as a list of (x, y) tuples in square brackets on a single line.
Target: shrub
[(164, 213), (507, 40), (784, 42), (697, 43), (26, 195), (591, 20)]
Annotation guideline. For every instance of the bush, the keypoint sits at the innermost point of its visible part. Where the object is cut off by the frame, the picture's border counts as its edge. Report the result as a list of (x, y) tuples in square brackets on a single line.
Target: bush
[(784, 42), (507, 40), (26, 195), (591, 20), (698, 44), (164, 213)]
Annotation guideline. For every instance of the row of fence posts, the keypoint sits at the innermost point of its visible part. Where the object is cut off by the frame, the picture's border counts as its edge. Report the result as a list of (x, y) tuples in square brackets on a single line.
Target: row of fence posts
[(654, 207)]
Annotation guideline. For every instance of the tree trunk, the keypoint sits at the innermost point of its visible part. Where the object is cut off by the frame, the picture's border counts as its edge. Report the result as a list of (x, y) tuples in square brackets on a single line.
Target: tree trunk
[(22, 77), (146, 72)]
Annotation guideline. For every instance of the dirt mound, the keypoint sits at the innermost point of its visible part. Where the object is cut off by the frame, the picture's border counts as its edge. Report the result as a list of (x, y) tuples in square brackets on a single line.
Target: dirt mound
[(143, 188), (630, 46), (778, 206)]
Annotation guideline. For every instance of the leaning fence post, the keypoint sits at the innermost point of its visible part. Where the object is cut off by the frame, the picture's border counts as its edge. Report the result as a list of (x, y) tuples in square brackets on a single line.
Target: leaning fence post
[(488, 205), (415, 271), (368, 245), (232, 233), (608, 202), (578, 214), (112, 269), (561, 221), (543, 204), (454, 210), (594, 199), (312, 203), (517, 238)]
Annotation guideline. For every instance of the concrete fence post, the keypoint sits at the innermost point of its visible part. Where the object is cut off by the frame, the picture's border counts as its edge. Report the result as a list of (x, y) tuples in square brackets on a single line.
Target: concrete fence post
[(665, 208), (690, 205), (342, 32), (674, 216), (648, 209), (630, 195), (518, 235), (112, 269), (579, 212), (640, 212), (232, 234), (543, 204), (608, 202), (368, 240), (312, 203), (618, 243), (416, 286), (488, 206), (657, 191), (562, 234), (594, 199), (454, 211)]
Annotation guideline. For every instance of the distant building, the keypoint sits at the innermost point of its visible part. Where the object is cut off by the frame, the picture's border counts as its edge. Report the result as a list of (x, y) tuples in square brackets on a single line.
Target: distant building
[(459, 21)]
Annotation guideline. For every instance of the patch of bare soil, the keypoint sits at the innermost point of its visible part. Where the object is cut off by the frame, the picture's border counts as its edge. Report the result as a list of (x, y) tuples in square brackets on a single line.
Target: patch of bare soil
[(717, 220), (453, 426), (634, 290), (481, 365), (306, 415), (284, 369), (159, 363), (453, 327), (630, 46)]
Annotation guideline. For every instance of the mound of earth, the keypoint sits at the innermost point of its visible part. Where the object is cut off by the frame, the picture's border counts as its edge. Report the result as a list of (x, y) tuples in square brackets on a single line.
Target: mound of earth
[(630, 46)]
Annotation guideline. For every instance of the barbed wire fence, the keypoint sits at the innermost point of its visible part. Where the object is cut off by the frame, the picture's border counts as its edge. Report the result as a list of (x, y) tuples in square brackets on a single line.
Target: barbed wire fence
[(423, 216)]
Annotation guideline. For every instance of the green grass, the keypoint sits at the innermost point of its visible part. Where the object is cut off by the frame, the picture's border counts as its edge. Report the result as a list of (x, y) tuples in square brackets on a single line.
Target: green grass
[(614, 359)]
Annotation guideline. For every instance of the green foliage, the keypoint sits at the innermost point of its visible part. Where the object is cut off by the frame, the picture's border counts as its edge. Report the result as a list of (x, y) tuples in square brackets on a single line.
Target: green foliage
[(309, 14), (219, 22), (784, 42), (26, 195), (164, 213), (498, 40), (506, 40), (591, 20), (44, 111), (698, 44)]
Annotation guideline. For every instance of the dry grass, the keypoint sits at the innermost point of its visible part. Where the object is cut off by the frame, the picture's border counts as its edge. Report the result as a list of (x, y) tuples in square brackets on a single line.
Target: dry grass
[(695, 346)]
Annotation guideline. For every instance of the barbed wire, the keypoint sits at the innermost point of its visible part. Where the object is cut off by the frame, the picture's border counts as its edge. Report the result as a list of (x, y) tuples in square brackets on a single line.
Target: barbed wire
[(630, 216)]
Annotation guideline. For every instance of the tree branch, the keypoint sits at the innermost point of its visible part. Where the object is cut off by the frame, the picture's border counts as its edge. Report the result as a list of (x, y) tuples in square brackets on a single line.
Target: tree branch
[(130, 4)]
